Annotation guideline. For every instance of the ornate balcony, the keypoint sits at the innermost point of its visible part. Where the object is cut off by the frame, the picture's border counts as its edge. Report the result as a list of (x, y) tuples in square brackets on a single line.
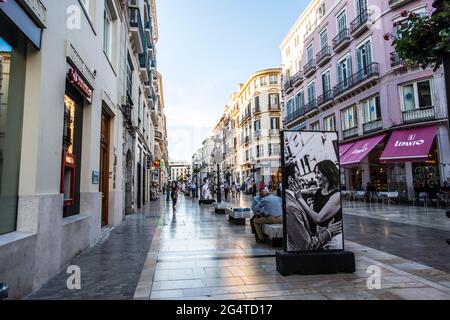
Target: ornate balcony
[(341, 40), (295, 115), (357, 80), (297, 79), (287, 87), (419, 115), (323, 56), (350, 133), (311, 106), (158, 135), (275, 107), (325, 98), (136, 29), (360, 23), (144, 66), (372, 126), (309, 68)]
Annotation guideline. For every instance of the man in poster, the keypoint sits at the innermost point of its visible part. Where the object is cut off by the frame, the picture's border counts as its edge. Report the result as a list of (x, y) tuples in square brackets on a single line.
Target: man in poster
[(313, 210)]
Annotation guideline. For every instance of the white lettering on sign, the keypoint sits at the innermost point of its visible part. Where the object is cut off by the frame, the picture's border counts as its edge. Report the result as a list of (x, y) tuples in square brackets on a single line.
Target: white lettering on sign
[(399, 143), (361, 150)]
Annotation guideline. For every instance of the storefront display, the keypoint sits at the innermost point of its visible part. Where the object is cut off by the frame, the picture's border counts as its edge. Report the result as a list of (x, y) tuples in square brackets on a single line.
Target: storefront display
[(71, 151), (12, 90)]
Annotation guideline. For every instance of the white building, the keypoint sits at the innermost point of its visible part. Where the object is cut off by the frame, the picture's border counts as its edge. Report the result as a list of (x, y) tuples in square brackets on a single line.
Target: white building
[(76, 127), (180, 170), (250, 130)]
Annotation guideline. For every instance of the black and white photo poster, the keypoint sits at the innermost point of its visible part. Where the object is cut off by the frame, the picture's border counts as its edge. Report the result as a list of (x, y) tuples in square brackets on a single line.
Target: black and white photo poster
[(312, 197)]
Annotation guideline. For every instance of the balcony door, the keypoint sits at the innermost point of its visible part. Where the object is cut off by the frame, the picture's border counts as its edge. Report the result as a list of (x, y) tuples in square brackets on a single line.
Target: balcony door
[(311, 92), (324, 39), (326, 83), (342, 22), (361, 7), (344, 72), (364, 59)]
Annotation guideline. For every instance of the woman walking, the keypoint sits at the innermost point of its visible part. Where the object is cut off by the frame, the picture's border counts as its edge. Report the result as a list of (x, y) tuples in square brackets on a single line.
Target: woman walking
[(174, 193)]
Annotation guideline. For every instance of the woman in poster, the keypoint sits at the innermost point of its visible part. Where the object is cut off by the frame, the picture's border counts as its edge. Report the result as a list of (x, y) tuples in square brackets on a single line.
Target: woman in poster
[(326, 208), (302, 233)]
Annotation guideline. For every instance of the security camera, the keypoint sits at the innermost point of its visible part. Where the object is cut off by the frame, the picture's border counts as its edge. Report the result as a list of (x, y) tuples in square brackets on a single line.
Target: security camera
[(94, 72)]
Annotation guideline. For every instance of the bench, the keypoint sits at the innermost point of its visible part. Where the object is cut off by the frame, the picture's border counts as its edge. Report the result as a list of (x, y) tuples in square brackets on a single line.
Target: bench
[(274, 234), (237, 216)]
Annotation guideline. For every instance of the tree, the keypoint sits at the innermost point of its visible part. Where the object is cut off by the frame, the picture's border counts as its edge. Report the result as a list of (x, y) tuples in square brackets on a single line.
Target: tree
[(424, 40)]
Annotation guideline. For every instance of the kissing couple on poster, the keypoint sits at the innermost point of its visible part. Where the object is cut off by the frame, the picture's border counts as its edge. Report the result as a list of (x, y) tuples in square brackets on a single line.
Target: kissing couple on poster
[(316, 226)]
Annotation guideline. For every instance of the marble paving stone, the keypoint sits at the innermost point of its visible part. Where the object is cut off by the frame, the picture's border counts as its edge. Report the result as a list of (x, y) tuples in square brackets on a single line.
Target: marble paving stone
[(177, 284), (420, 294)]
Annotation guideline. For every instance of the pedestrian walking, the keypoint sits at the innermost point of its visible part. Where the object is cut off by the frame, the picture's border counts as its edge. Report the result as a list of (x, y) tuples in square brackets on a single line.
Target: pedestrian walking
[(168, 191), (174, 194), (226, 189), (233, 190)]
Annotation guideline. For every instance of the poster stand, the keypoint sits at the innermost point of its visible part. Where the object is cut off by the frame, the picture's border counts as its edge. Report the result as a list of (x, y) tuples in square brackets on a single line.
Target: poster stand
[(320, 262), (311, 180)]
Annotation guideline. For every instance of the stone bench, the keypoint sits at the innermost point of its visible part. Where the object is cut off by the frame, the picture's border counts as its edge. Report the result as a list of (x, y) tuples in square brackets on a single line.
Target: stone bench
[(237, 216), (274, 234)]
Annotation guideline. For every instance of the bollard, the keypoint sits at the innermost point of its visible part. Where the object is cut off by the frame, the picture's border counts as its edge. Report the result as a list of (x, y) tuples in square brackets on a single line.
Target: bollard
[(3, 291)]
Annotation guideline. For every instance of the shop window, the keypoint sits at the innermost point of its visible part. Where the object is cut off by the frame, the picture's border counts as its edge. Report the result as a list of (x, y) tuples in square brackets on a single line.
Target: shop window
[(71, 150), (12, 80)]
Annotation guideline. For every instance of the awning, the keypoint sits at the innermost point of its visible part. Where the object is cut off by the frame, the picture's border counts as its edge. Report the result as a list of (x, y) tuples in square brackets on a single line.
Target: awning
[(409, 145), (343, 148), (360, 149)]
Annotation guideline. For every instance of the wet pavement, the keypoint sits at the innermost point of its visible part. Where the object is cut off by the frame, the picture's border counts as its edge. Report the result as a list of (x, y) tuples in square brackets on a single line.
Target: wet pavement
[(110, 269), (193, 253)]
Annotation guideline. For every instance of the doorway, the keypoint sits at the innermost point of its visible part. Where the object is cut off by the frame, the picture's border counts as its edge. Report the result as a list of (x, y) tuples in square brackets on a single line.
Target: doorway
[(104, 166)]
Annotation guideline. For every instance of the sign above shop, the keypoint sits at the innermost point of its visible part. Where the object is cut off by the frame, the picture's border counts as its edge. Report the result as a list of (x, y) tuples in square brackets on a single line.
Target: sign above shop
[(36, 10), (76, 80), (22, 16), (77, 62)]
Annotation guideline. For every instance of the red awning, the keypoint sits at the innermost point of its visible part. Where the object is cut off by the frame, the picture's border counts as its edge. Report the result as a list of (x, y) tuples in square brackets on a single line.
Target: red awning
[(409, 145), (343, 148), (360, 150)]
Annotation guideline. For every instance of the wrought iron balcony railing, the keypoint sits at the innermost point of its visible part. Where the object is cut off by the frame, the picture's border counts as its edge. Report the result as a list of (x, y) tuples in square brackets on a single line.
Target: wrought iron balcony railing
[(419, 115), (357, 78), (342, 39), (323, 55)]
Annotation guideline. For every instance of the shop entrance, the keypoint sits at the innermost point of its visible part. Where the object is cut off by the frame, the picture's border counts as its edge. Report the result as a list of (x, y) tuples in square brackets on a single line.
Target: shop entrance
[(104, 165)]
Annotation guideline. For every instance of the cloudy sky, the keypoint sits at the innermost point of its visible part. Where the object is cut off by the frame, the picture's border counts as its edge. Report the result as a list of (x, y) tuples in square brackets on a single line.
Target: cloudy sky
[(205, 49)]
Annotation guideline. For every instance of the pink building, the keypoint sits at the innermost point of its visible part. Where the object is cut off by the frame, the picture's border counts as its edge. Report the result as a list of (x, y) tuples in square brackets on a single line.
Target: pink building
[(340, 74)]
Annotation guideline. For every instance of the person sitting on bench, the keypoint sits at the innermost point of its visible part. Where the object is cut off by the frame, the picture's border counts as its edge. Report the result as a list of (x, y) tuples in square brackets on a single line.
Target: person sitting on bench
[(269, 210)]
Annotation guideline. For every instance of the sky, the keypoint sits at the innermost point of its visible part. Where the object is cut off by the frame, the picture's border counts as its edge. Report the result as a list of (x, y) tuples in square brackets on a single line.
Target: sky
[(205, 49)]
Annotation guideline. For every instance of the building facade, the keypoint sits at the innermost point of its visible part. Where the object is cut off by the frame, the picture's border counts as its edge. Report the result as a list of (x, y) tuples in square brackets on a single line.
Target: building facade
[(76, 130), (250, 130), (341, 74), (180, 170)]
